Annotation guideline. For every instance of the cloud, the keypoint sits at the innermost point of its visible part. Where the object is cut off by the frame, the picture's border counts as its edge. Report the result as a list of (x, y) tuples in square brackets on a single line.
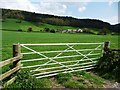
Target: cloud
[(17, 4), (110, 2), (82, 6), (59, 7), (66, 0), (51, 8), (39, 7), (81, 9)]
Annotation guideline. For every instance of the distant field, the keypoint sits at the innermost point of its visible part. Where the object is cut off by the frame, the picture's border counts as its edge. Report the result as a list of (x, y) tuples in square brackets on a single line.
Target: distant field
[(29, 37), (10, 24)]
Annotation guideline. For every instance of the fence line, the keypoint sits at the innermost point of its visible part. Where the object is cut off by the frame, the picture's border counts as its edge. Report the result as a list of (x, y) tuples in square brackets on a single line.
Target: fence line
[(11, 71), (16, 65), (11, 60)]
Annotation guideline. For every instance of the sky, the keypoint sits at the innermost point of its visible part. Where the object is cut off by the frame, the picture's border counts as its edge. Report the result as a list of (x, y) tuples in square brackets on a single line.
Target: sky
[(106, 10)]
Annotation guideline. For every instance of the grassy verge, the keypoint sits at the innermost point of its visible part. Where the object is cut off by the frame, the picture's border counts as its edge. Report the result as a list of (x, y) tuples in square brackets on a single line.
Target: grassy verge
[(81, 79)]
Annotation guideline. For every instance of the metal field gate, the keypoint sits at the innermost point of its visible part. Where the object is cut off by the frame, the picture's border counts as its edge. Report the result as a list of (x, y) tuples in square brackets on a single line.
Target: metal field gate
[(45, 60)]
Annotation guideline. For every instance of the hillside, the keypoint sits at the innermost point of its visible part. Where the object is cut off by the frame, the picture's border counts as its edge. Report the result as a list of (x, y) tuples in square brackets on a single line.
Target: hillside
[(12, 24), (58, 20)]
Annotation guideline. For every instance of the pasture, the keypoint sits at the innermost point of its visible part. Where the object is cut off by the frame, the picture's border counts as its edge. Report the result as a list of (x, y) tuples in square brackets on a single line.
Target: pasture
[(9, 38), (10, 24)]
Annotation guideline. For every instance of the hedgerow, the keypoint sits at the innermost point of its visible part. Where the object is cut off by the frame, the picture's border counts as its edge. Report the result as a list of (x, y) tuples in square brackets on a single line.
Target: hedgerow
[(109, 65)]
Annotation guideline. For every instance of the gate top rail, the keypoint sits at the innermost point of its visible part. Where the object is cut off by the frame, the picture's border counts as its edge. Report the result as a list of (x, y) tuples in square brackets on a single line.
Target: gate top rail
[(49, 44)]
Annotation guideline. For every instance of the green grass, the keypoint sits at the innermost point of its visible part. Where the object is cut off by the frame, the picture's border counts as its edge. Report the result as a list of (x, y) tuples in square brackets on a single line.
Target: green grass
[(80, 79), (10, 24), (9, 38)]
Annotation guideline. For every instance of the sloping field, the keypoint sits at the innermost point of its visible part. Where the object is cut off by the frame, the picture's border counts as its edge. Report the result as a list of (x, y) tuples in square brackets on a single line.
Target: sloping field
[(11, 24)]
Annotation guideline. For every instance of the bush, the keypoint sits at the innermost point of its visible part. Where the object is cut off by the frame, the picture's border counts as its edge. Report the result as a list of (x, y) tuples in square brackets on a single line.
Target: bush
[(109, 65), (41, 30), (18, 21), (26, 81), (52, 31), (30, 29), (20, 30), (47, 30)]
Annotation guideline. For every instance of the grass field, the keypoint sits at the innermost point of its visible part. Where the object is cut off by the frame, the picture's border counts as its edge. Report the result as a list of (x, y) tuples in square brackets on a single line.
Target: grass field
[(24, 37), (11, 37), (10, 24)]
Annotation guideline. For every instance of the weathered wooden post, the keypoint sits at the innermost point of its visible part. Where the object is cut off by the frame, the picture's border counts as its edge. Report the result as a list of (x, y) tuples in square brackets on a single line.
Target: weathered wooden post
[(106, 46), (16, 52), (16, 65)]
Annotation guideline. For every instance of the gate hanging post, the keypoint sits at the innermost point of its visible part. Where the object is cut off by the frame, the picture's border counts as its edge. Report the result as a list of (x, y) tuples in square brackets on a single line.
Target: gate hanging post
[(16, 52), (106, 46)]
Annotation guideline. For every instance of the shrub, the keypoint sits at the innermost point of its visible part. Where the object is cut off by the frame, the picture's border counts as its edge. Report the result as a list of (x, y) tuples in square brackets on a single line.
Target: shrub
[(52, 31), (47, 30), (26, 81), (109, 64), (41, 30), (20, 30), (18, 21), (30, 29)]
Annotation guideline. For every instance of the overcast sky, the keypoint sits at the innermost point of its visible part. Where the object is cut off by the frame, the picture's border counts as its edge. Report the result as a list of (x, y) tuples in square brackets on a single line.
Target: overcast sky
[(106, 10)]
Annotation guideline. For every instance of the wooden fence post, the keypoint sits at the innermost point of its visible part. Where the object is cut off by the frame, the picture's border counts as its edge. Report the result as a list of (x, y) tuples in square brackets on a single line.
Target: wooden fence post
[(16, 52), (106, 46)]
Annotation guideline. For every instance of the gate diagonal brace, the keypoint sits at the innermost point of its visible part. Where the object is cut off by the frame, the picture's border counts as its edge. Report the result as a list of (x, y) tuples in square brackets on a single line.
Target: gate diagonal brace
[(57, 56), (47, 57), (88, 54), (85, 56), (78, 52)]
